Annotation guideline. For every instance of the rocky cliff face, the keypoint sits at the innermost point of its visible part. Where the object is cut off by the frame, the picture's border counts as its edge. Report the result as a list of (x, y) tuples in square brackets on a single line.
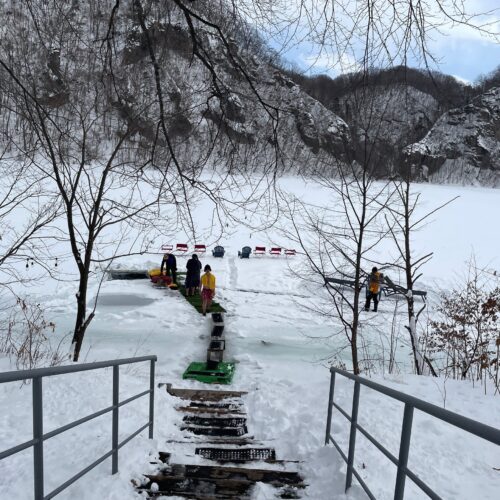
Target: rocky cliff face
[(463, 146), (385, 119), (223, 104)]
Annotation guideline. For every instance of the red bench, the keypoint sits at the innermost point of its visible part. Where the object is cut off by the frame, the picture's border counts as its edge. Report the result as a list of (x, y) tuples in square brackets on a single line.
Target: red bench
[(200, 248), (290, 252), (275, 251), (181, 247), (259, 251), (167, 248)]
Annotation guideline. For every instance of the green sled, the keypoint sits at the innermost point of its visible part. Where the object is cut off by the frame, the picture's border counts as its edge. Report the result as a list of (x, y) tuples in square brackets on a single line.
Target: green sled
[(223, 374)]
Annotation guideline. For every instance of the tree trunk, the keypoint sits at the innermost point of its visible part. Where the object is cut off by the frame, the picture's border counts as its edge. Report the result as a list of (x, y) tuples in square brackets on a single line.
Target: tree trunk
[(420, 365), (82, 322)]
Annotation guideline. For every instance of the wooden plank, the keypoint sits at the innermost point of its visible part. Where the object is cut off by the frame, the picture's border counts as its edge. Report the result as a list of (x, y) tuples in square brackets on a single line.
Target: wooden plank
[(211, 411), (222, 441), (225, 480), (203, 395), (213, 421), (216, 431), (255, 475)]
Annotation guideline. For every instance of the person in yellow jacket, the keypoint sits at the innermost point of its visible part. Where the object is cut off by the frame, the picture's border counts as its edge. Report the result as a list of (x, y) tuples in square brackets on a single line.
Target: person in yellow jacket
[(207, 289), (373, 289)]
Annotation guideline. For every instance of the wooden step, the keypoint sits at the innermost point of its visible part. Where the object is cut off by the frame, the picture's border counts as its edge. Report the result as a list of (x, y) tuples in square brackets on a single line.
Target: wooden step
[(256, 475), (219, 482), (220, 406), (222, 441), (216, 431), (203, 395), (220, 412), (211, 421)]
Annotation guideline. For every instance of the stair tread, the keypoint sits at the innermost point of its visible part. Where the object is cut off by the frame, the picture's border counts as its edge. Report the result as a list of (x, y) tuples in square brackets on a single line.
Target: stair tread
[(203, 395)]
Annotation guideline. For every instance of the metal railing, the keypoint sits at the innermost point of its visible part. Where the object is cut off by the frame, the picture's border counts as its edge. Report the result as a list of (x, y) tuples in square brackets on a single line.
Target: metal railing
[(39, 437), (411, 403)]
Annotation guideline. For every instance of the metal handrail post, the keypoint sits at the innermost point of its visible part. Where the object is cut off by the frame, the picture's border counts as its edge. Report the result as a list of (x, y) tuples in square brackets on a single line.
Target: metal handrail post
[(352, 435), (38, 437), (330, 408), (404, 449), (151, 398), (114, 431)]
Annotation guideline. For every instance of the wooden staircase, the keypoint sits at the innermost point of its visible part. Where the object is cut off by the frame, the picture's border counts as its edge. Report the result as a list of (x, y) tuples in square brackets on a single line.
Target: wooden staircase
[(216, 422)]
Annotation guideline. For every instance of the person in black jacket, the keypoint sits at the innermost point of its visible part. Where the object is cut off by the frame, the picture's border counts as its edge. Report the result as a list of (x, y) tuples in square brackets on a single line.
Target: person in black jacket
[(193, 267), (170, 263)]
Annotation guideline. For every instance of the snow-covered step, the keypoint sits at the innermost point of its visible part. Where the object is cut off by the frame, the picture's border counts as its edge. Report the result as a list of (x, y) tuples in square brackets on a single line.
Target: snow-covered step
[(217, 426), (203, 395), (213, 421), (214, 430), (219, 482), (222, 412)]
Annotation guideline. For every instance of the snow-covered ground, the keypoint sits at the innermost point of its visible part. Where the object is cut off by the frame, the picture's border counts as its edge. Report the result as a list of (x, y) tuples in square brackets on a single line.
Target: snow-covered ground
[(281, 349)]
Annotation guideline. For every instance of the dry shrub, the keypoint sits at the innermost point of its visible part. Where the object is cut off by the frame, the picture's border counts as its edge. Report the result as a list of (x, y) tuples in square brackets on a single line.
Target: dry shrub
[(25, 335)]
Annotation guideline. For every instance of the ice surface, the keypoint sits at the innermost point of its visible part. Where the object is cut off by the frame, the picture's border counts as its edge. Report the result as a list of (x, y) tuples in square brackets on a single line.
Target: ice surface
[(282, 350)]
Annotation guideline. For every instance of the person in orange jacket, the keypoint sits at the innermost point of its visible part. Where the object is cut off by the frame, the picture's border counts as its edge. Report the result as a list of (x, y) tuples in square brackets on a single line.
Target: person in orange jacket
[(207, 289), (373, 289)]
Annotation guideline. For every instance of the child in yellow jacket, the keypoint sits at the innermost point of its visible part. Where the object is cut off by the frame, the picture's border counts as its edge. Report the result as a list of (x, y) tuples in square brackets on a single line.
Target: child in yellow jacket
[(207, 289)]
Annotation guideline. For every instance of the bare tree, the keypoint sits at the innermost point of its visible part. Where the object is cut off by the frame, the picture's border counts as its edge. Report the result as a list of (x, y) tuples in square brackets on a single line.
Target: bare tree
[(26, 215), (404, 220), (117, 163), (26, 211), (345, 234), (359, 35), (101, 181)]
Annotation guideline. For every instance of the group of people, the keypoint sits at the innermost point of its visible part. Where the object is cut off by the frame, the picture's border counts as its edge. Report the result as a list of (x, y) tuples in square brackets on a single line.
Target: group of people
[(194, 279)]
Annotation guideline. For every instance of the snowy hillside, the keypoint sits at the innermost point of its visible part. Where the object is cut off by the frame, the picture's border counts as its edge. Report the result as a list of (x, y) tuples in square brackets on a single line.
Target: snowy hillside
[(385, 119), (463, 147), (393, 114), (223, 101), (282, 350)]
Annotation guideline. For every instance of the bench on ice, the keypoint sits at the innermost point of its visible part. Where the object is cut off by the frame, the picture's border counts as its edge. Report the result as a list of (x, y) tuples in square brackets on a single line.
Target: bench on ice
[(260, 251), (181, 247), (200, 248), (388, 287), (275, 251), (167, 248), (395, 289), (290, 252)]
